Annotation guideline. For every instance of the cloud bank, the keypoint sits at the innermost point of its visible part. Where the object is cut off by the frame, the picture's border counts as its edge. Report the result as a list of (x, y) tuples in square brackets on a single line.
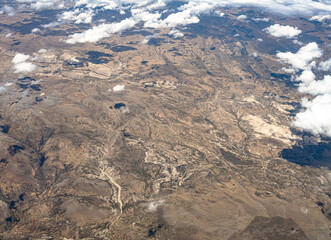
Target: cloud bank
[(315, 117), (149, 13)]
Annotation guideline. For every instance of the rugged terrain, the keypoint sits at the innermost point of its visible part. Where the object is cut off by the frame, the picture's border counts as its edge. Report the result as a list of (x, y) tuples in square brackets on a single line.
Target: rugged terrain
[(199, 145)]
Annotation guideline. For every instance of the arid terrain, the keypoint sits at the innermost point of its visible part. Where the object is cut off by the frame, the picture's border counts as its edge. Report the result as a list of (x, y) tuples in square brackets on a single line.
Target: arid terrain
[(144, 135)]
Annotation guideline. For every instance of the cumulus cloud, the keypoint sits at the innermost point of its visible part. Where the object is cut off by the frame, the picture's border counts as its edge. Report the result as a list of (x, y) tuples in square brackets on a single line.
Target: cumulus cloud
[(278, 30), (242, 17), (8, 35), (119, 88), (24, 67), (101, 31), (21, 65), (315, 117), (78, 16), (325, 66), (176, 33), (302, 59), (316, 87), (306, 76), (20, 57), (188, 14)]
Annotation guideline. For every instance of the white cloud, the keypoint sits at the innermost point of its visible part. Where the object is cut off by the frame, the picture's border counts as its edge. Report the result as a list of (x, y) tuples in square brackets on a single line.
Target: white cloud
[(278, 30), (188, 14), (106, 4), (35, 30), (288, 70), (8, 84), (19, 58), (315, 117), (78, 16), (176, 33), (50, 25), (42, 4), (145, 11), (101, 31), (219, 13), (325, 66), (119, 88), (8, 35), (261, 19), (290, 7), (302, 59), (306, 76), (42, 50), (296, 41), (24, 67), (21, 65), (320, 18), (316, 87), (242, 17), (152, 206)]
